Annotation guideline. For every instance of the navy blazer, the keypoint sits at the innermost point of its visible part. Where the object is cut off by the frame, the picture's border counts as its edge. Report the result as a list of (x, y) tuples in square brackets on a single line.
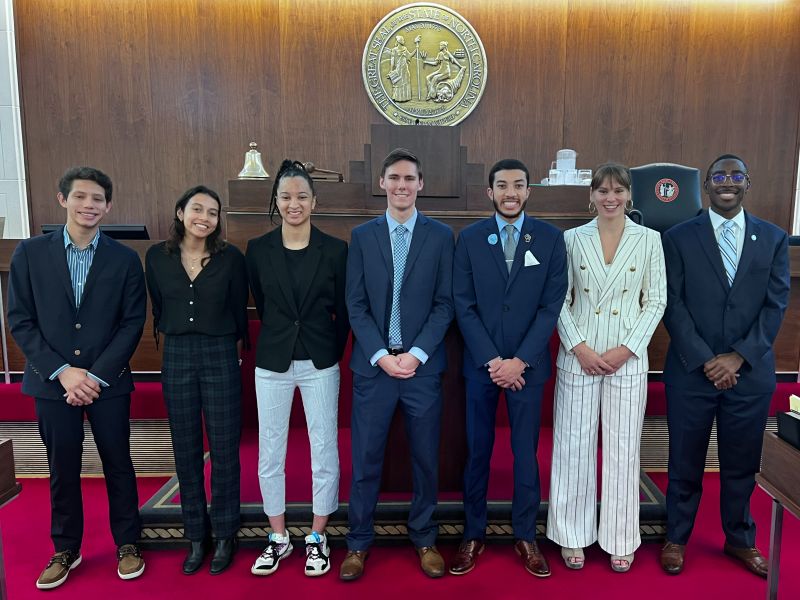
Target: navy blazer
[(426, 301), (509, 314), (100, 336), (706, 317)]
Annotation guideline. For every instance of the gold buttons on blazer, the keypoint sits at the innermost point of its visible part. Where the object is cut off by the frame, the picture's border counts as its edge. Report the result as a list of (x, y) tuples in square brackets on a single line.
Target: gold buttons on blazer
[(615, 312), (633, 267), (583, 267)]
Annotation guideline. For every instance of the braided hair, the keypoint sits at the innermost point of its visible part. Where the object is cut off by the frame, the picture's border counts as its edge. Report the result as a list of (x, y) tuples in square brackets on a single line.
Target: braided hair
[(288, 168)]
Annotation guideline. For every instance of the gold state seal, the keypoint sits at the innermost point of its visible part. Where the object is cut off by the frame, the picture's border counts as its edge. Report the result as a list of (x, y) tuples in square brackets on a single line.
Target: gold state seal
[(424, 64)]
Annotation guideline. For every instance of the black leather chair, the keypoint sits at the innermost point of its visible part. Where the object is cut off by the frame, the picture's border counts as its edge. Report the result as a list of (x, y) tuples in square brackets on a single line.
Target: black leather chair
[(665, 194)]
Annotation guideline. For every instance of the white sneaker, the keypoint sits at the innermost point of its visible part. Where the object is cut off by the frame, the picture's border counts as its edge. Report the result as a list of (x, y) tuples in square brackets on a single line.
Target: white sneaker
[(317, 555), (278, 548)]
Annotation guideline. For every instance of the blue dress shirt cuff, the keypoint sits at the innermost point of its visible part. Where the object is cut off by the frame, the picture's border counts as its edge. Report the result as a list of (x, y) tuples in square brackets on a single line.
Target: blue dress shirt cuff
[(58, 372), (377, 356), (97, 379), (419, 354)]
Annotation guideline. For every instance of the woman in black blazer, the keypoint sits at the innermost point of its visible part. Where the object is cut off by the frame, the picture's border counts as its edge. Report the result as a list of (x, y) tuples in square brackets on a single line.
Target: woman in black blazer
[(198, 288), (297, 276)]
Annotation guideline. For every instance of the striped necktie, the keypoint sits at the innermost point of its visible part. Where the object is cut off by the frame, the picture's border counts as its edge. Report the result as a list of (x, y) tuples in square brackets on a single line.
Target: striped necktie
[(727, 248)]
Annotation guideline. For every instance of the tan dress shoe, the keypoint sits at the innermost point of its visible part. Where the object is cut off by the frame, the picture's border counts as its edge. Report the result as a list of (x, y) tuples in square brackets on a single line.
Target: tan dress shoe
[(532, 557), (466, 557), (431, 561), (353, 565), (750, 557), (672, 558)]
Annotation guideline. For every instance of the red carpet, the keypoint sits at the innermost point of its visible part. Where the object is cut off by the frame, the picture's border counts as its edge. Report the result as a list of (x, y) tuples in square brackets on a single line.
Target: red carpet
[(392, 572)]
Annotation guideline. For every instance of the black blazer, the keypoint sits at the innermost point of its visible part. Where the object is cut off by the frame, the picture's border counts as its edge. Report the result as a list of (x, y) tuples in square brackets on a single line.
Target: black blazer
[(100, 336), (320, 321)]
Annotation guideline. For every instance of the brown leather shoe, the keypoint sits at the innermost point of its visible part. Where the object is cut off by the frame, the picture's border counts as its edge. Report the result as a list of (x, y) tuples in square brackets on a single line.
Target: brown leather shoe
[(751, 557), (353, 565), (465, 558), (431, 561), (672, 558), (534, 560)]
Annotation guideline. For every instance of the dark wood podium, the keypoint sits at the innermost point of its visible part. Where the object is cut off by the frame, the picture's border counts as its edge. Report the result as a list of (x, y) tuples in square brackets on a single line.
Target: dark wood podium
[(9, 489), (780, 465)]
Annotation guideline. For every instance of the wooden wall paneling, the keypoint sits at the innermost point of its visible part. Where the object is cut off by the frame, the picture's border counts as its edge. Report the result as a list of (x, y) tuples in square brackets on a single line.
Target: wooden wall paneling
[(522, 111), (742, 76), (623, 88), (162, 94), (85, 93), (326, 112)]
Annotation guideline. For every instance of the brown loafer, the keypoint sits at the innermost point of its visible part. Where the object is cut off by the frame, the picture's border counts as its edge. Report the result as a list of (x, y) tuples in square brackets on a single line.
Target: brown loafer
[(751, 557), (532, 557), (353, 565), (672, 558), (465, 558), (431, 561)]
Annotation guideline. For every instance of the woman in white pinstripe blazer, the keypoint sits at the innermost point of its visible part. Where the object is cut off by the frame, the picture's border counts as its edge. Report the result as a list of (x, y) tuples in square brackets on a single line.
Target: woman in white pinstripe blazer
[(615, 299)]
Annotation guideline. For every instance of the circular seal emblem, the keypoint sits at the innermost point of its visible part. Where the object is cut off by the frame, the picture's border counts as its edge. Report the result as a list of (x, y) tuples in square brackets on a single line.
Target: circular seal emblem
[(424, 64), (667, 190)]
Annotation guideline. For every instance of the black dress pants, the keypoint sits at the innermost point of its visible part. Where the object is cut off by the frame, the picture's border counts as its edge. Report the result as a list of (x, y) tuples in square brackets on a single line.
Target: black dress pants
[(61, 429)]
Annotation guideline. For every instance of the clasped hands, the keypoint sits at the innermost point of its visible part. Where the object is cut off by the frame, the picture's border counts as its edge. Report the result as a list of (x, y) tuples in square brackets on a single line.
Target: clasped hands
[(722, 370), (402, 366), (81, 389), (507, 372), (607, 363)]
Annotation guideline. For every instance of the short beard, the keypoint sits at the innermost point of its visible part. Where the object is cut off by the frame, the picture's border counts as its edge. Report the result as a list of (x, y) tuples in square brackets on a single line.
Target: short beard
[(515, 215)]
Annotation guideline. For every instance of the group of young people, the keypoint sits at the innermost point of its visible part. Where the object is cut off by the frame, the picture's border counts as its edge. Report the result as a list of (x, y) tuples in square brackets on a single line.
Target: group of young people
[(77, 309)]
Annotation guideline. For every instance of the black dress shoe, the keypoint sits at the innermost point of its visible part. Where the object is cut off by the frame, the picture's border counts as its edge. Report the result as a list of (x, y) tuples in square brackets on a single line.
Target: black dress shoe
[(197, 553), (223, 555)]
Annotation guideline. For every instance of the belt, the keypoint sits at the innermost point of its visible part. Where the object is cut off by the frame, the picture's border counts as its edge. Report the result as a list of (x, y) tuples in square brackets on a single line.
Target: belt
[(395, 351)]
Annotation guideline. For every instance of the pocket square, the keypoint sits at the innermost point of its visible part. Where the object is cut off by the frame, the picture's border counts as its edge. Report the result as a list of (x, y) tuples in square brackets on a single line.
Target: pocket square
[(530, 259)]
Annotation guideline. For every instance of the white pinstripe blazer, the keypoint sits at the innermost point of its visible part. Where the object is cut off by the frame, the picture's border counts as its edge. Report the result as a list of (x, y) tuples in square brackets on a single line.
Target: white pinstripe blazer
[(618, 306)]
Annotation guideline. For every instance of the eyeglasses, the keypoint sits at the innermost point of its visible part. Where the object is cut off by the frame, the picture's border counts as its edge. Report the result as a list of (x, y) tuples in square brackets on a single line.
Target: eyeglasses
[(719, 178)]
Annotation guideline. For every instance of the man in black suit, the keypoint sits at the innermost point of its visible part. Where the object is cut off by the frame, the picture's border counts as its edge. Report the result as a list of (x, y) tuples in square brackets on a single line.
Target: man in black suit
[(727, 291), (76, 308)]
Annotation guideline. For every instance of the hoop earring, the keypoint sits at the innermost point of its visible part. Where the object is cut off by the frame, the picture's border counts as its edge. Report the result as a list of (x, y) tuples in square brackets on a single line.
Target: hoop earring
[(629, 205), (592, 208)]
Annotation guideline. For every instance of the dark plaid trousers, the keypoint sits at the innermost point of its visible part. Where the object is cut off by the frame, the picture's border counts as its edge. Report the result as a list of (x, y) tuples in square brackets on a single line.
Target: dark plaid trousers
[(202, 382)]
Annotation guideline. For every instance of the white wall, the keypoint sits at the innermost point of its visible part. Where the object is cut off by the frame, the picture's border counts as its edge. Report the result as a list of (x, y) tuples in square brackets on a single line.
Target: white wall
[(13, 194)]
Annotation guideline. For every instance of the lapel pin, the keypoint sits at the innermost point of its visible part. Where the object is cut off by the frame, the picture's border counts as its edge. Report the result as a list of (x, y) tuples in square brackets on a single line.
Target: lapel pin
[(527, 238), (753, 237), (492, 239)]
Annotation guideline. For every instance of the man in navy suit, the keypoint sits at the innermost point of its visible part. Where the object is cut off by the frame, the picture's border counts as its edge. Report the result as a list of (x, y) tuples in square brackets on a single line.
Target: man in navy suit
[(76, 307), (399, 297), (509, 284), (727, 290)]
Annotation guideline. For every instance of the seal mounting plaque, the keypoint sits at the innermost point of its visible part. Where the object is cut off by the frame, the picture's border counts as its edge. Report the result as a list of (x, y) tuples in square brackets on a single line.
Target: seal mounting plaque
[(424, 64)]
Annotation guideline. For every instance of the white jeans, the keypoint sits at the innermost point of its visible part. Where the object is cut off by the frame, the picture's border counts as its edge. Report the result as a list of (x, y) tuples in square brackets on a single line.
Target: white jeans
[(320, 393)]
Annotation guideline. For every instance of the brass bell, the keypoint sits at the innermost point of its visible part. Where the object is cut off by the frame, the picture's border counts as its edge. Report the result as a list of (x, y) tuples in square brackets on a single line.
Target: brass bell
[(253, 167)]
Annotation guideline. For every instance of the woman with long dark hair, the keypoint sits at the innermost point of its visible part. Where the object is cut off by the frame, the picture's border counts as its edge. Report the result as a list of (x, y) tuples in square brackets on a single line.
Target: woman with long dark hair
[(297, 276), (198, 288)]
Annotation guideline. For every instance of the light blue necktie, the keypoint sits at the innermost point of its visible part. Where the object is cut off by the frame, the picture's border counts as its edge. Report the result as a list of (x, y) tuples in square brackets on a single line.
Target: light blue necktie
[(727, 248), (399, 255)]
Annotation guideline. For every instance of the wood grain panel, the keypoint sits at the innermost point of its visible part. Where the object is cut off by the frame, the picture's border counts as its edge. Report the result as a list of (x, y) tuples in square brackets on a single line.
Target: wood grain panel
[(166, 94)]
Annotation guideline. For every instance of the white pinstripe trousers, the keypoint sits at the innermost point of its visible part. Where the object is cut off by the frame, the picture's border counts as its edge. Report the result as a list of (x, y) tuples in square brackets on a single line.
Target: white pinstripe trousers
[(320, 392), (572, 514)]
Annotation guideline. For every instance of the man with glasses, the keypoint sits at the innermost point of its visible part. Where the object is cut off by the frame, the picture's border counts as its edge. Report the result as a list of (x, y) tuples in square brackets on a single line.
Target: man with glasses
[(727, 291)]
